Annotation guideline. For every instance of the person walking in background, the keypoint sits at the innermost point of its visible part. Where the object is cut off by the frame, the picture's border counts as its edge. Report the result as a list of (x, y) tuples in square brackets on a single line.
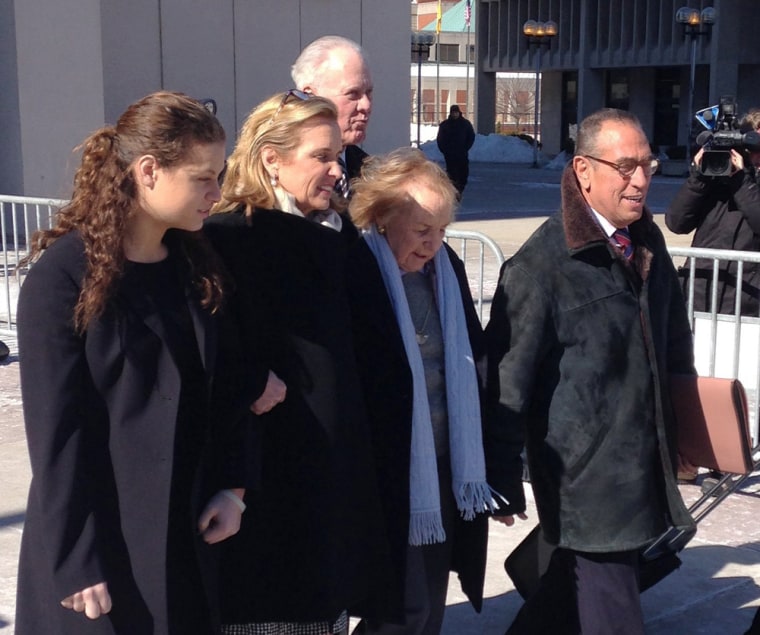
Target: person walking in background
[(587, 324), (311, 541), (455, 138), (336, 68), (117, 342), (725, 212), (417, 340)]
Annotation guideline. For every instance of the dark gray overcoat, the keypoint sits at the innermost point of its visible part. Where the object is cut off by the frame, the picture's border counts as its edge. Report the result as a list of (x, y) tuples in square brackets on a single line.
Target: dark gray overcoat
[(581, 343)]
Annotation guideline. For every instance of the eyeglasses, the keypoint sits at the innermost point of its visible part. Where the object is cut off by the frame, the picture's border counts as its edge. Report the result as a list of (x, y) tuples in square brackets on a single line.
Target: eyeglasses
[(293, 92), (627, 167)]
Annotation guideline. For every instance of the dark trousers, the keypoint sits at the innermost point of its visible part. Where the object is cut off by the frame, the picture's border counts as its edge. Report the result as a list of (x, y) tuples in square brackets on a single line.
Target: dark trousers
[(426, 576), (458, 169), (584, 593)]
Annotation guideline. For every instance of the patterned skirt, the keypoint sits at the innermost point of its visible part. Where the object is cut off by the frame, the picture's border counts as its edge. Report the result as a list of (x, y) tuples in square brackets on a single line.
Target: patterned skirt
[(289, 628)]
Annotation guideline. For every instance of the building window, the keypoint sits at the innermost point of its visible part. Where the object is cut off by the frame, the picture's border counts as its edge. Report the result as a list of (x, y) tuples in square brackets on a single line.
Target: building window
[(449, 53), (617, 90), (667, 97), (428, 106)]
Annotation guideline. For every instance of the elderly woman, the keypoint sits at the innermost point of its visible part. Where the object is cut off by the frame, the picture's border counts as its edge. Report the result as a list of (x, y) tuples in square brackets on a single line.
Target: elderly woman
[(417, 336), (307, 547)]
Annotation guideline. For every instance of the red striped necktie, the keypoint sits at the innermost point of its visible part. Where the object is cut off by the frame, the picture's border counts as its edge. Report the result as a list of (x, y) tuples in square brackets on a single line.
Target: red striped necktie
[(623, 242)]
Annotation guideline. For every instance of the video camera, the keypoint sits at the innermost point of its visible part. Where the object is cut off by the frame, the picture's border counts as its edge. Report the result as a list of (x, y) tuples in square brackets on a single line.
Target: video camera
[(722, 136)]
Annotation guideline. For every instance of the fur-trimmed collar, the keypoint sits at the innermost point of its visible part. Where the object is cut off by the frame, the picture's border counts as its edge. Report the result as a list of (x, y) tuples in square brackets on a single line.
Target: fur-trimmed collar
[(582, 230)]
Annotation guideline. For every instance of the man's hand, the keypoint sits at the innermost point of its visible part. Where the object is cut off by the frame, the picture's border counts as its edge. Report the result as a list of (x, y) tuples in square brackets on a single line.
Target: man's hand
[(737, 162), (510, 520), (94, 601), (274, 393)]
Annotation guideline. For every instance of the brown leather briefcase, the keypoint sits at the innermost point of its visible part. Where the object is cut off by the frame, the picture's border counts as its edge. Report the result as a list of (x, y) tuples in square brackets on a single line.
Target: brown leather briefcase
[(713, 422)]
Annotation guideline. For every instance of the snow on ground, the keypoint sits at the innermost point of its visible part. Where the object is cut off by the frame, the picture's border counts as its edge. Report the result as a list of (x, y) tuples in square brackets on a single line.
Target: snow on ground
[(492, 148)]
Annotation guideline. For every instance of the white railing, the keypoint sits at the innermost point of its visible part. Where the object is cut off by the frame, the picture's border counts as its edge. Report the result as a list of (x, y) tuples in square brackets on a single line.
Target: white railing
[(482, 266), (725, 345), (20, 216)]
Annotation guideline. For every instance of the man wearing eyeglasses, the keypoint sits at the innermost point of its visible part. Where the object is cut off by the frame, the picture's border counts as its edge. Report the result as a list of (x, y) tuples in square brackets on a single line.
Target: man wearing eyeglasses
[(586, 325)]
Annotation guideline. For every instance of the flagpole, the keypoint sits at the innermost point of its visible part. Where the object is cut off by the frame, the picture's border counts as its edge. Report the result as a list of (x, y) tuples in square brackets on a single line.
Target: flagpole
[(467, 78), (439, 17), (467, 20), (437, 79)]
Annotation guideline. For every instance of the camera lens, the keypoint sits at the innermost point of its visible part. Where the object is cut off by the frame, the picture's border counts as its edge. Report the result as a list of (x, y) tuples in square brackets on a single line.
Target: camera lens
[(715, 163)]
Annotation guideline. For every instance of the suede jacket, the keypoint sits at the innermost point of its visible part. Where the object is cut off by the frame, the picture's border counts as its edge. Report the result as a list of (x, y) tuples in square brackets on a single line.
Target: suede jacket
[(581, 344)]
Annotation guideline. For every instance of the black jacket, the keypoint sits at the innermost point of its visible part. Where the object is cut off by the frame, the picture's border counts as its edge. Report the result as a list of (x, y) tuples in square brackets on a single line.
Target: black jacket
[(310, 540), (581, 344), (387, 382), (355, 156), (101, 413), (455, 138), (726, 215)]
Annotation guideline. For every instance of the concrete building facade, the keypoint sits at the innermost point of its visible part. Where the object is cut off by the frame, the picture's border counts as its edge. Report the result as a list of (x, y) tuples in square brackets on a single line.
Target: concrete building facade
[(630, 54), (69, 67)]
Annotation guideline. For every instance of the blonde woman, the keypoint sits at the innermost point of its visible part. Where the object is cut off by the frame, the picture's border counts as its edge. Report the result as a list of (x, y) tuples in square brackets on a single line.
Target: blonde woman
[(309, 543)]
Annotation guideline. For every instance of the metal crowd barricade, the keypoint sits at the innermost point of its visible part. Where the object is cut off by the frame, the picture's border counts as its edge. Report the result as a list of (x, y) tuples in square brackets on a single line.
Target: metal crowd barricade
[(482, 266), (725, 345), (20, 216)]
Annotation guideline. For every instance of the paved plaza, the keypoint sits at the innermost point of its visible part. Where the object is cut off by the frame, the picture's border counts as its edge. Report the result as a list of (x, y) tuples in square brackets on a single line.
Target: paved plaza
[(716, 589)]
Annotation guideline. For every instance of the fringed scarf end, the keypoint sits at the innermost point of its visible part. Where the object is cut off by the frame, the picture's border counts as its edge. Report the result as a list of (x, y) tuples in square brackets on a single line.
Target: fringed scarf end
[(426, 528), (474, 498)]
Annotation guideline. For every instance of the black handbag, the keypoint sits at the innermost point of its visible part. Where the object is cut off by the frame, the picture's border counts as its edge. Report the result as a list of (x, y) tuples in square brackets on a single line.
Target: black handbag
[(530, 559)]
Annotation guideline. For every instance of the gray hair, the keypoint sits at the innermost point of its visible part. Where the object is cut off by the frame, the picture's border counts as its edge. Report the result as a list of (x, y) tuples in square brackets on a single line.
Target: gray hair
[(591, 126), (305, 70)]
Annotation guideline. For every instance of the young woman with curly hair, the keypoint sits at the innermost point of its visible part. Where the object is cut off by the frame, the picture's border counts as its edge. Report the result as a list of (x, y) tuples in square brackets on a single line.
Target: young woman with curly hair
[(118, 340)]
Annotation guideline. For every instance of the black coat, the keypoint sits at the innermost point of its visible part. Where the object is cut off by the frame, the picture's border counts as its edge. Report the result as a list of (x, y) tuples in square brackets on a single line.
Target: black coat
[(309, 544), (455, 138), (581, 345), (100, 413), (387, 383), (355, 156), (726, 215)]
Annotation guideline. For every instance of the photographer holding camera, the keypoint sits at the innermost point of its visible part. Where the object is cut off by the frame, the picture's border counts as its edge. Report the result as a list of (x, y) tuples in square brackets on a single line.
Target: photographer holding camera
[(721, 200)]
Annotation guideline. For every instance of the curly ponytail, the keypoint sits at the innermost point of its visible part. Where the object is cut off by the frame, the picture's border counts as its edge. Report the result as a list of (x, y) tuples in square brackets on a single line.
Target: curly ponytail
[(164, 124)]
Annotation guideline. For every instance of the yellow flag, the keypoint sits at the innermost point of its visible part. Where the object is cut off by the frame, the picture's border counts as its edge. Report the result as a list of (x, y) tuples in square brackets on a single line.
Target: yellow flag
[(438, 18)]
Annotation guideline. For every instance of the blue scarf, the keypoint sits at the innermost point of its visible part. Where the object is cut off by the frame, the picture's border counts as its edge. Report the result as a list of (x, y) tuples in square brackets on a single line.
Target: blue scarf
[(471, 492)]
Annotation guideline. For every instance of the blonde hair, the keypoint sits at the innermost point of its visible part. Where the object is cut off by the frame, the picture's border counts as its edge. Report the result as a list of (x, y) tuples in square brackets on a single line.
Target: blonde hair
[(382, 190), (276, 123)]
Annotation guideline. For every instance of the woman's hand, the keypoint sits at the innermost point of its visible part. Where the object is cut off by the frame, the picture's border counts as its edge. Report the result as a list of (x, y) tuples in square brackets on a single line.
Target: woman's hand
[(274, 393), (94, 601), (221, 517)]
